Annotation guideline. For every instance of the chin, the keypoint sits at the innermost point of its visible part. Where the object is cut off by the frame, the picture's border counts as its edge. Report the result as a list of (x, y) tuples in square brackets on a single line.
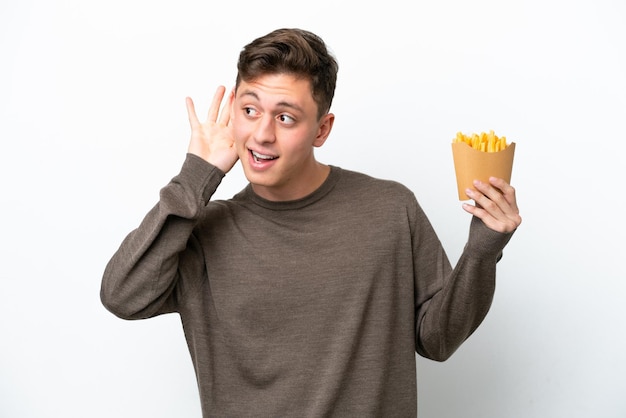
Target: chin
[(256, 178)]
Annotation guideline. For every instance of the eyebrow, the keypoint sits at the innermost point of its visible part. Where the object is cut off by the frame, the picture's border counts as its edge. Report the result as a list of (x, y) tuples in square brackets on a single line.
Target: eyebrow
[(279, 104)]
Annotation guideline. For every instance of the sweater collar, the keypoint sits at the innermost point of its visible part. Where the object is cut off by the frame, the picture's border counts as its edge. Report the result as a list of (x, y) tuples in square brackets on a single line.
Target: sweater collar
[(328, 184)]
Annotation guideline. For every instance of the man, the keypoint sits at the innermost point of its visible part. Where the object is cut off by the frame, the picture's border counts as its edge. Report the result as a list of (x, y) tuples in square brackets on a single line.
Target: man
[(309, 292)]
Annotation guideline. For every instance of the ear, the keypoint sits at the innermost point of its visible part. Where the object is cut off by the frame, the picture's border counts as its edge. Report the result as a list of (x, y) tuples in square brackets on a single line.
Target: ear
[(326, 125), (231, 103)]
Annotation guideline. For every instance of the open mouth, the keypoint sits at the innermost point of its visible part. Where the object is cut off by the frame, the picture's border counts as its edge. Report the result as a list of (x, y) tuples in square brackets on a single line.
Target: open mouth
[(261, 157)]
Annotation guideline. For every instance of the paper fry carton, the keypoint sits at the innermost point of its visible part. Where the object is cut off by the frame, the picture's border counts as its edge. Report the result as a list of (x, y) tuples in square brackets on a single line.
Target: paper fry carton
[(471, 164)]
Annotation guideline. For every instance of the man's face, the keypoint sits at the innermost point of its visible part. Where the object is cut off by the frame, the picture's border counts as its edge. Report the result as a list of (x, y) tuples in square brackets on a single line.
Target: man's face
[(276, 128)]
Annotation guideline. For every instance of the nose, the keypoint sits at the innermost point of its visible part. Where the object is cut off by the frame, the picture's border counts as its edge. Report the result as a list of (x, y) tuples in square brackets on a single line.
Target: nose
[(265, 130)]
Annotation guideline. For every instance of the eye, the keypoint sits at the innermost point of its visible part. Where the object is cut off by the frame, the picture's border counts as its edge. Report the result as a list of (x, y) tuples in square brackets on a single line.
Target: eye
[(250, 111), (286, 119)]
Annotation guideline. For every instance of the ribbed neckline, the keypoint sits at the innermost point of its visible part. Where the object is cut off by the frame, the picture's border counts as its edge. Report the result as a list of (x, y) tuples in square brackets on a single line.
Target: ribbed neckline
[(328, 184)]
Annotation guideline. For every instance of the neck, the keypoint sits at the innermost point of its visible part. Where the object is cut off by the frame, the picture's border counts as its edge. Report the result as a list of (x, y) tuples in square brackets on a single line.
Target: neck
[(304, 186)]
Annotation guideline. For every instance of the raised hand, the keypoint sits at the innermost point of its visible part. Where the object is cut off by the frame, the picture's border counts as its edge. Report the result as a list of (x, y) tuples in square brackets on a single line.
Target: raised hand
[(496, 205), (213, 139)]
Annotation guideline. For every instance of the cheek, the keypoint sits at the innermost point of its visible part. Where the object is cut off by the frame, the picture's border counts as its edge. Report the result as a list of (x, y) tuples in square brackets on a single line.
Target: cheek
[(239, 132)]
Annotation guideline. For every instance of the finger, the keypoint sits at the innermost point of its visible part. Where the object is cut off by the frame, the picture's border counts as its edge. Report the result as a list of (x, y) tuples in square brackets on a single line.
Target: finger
[(507, 191), (492, 207), (191, 112), (226, 109), (488, 218), (487, 197), (502, 194), (215, 104)]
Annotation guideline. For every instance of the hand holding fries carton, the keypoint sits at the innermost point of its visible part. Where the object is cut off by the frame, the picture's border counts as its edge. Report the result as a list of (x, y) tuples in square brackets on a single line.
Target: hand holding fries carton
[(478, 157)]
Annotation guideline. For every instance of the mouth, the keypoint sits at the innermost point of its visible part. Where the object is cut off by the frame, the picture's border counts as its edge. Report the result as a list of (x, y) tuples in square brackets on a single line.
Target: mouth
[(258, 157)]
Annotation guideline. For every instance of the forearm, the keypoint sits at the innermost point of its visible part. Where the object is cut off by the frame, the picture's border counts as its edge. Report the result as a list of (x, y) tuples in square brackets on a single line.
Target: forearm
[(463, 300), (455, 312), (141, 275)]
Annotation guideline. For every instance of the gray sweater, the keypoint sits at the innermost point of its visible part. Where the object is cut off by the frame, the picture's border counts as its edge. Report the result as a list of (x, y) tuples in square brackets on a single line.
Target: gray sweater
[(307, 308)]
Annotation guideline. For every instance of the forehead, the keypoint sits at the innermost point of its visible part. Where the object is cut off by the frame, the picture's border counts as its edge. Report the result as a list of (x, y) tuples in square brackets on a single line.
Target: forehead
[(273, 89)]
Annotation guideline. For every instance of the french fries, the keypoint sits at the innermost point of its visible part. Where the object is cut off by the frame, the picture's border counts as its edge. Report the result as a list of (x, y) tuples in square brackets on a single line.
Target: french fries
[(486, 142)]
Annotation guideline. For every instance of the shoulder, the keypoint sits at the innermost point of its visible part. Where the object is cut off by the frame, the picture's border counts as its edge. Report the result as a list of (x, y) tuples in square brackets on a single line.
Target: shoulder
[(385, 197), (374, 186)]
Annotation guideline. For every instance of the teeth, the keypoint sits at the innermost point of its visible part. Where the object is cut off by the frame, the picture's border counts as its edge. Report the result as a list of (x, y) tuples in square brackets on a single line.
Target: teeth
[(258, 156)]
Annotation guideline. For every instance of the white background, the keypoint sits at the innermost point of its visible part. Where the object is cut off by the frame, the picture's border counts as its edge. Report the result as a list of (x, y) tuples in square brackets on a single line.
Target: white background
[(93, 124)]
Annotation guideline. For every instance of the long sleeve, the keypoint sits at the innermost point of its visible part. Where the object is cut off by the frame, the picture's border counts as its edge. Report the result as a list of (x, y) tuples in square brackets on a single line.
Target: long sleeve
[(139, 279), (451, 307)]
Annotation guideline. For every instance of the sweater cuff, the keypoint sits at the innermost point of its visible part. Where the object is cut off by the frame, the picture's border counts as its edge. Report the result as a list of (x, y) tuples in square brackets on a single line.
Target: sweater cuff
[(484, 241), (201, 175)]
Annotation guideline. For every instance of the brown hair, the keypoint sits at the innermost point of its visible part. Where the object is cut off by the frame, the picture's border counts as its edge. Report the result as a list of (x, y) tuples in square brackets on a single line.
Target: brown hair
[(292, 51)]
